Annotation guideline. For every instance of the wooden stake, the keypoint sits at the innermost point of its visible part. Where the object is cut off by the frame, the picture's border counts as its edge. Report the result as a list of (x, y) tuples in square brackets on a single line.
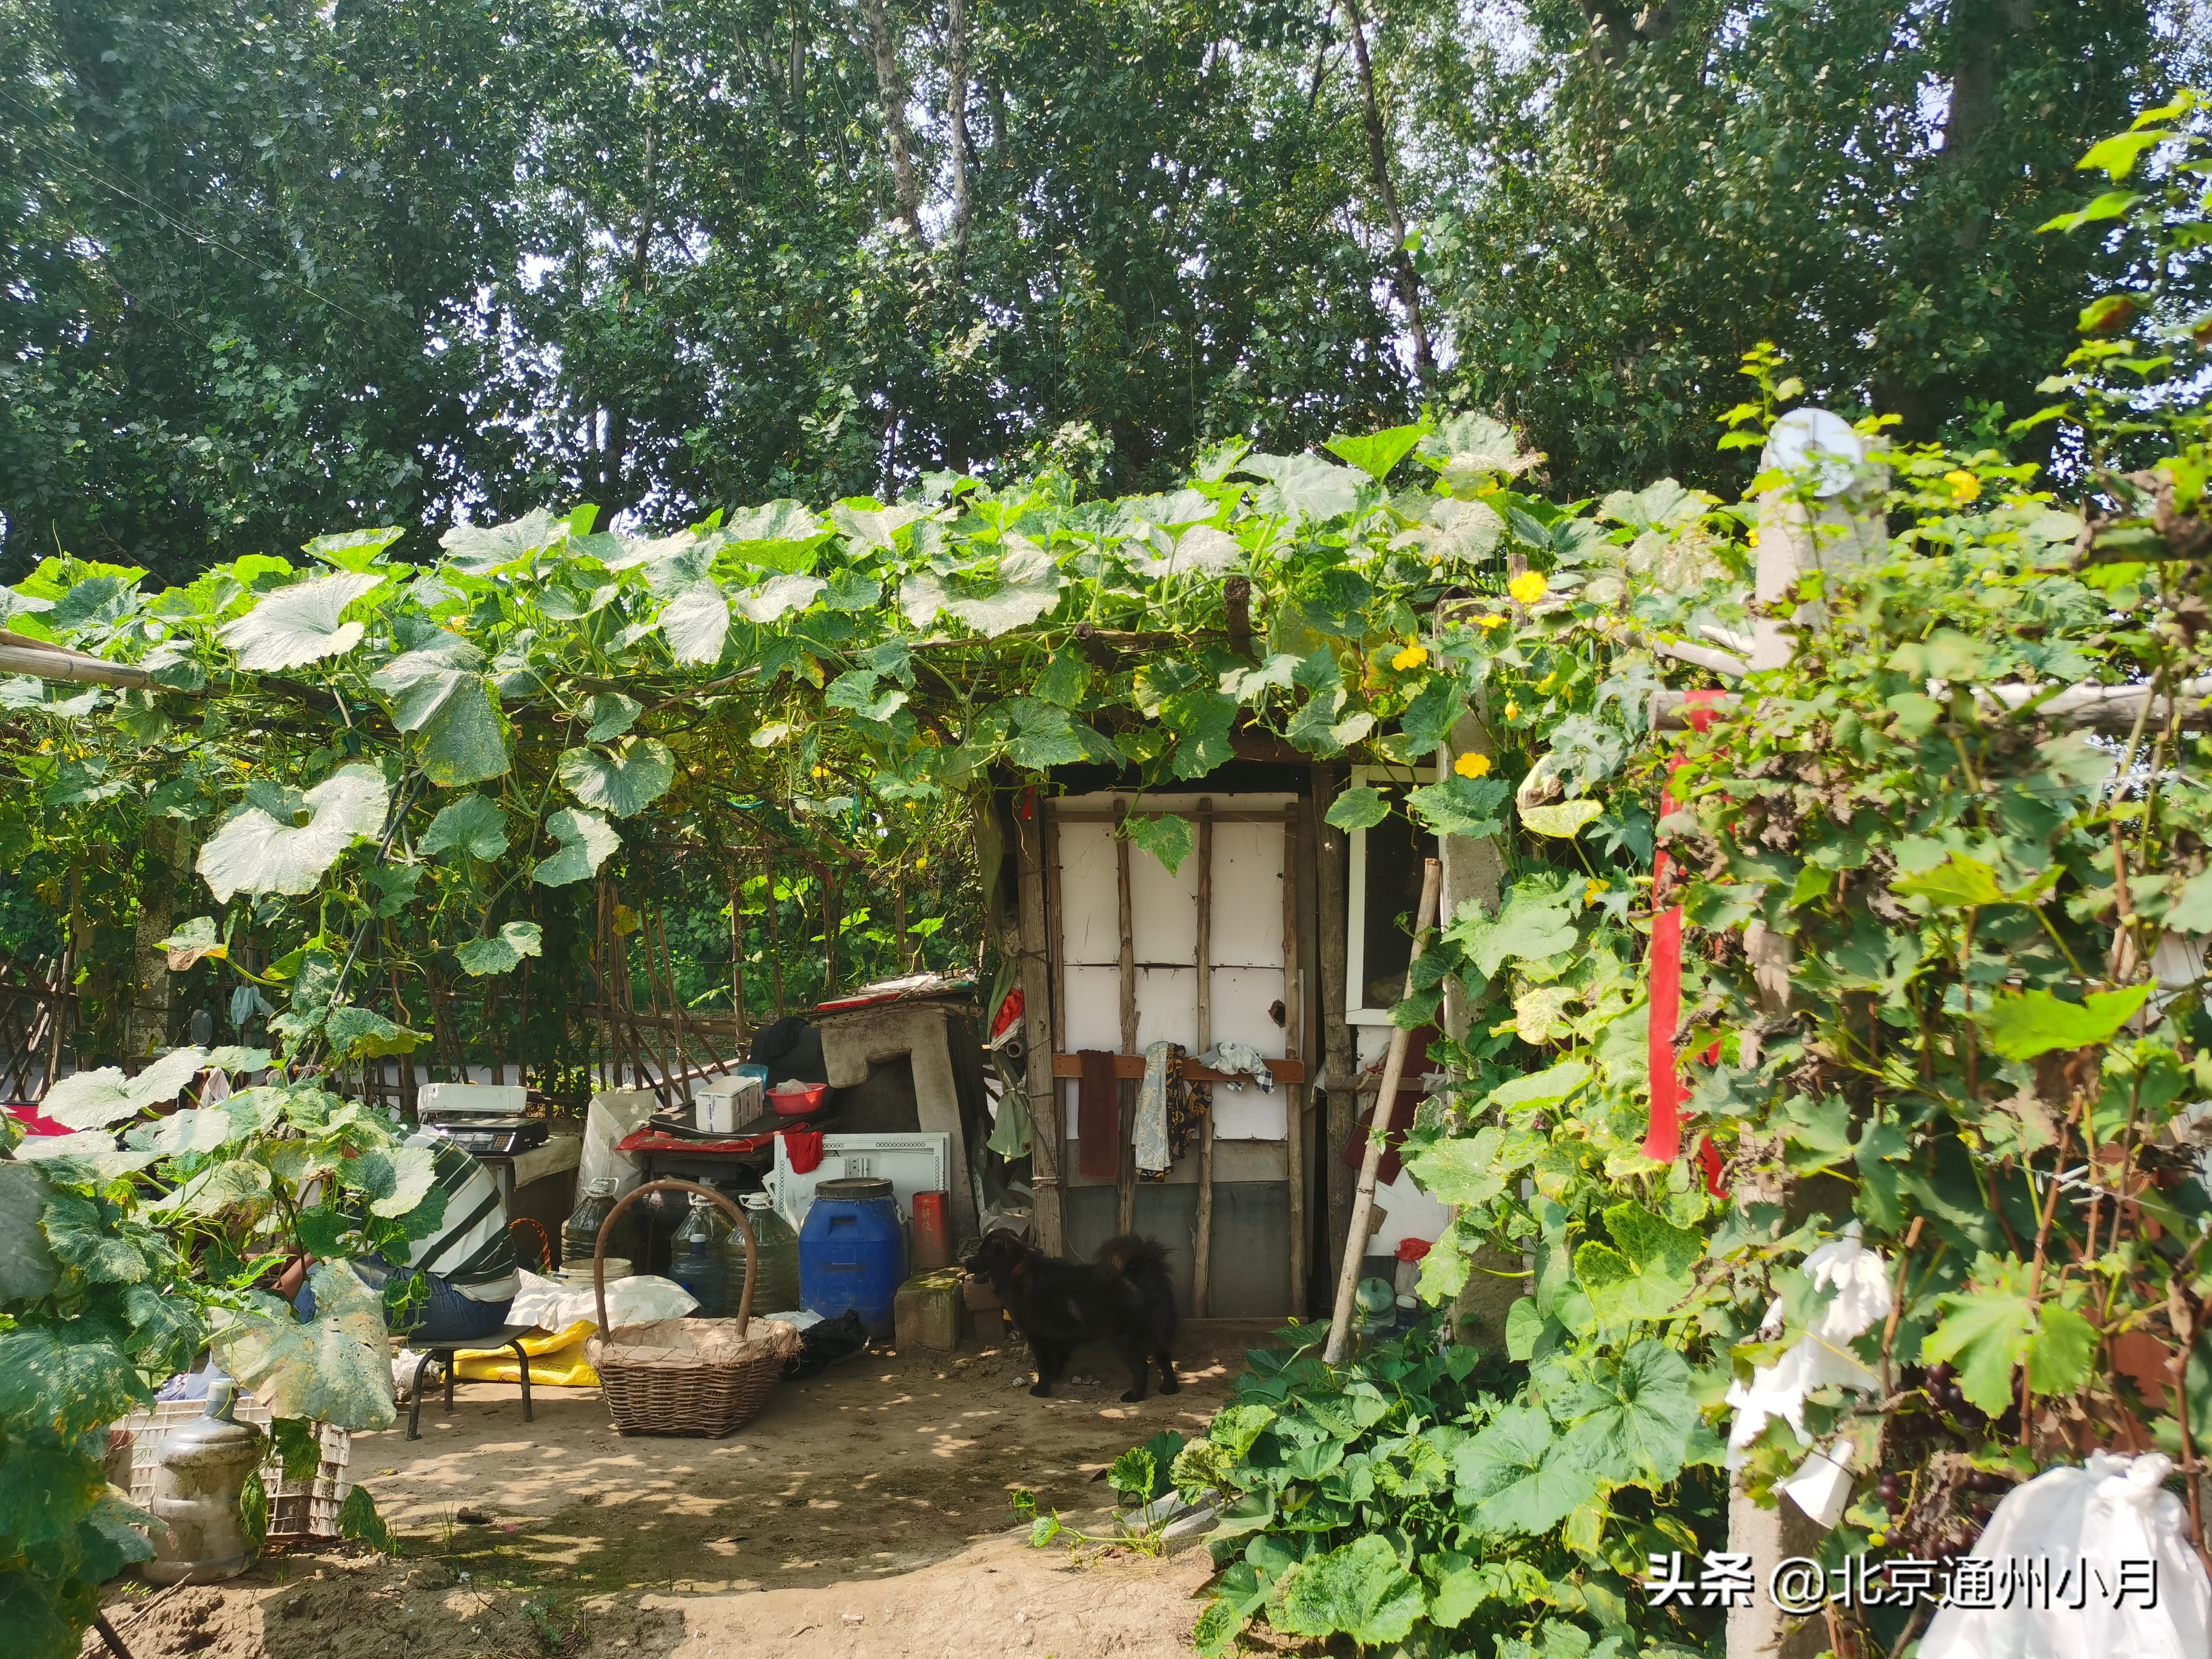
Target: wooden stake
[(1393, 1068), (1125, 1182), (1338, 1054), (1294, 1094), (1201, 1278), (1035, 953)]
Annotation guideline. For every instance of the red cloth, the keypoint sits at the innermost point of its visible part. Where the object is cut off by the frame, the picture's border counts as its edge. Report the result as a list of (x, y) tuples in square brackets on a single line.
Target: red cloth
[(1098, 1117), (1009, 1011), (35, 1125), (1663, 1139), (1412, 1249), (803, 1148)]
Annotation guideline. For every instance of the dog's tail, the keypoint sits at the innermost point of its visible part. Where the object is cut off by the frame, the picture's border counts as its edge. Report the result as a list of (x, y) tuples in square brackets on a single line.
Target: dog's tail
[(1141, 1260)]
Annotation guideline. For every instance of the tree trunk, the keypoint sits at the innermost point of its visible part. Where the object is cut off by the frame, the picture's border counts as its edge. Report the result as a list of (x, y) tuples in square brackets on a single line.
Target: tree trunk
[(956, 116), (891, 97), (1378, 167)]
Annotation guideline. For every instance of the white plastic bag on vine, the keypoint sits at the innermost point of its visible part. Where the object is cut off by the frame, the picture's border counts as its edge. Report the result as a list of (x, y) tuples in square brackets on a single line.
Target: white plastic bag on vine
[(2090, 1563)]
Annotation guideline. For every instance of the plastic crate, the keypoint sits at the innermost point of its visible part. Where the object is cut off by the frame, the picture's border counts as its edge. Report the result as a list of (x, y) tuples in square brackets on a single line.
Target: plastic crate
[(915, 1162), (297, 1509)]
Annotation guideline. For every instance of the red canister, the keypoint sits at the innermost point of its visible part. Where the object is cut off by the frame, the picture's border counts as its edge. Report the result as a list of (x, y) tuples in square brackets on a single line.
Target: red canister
[(932, 1233)]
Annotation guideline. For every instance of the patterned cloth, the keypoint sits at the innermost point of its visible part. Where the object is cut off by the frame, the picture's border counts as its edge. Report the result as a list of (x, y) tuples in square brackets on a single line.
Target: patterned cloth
[(1171, 1111)]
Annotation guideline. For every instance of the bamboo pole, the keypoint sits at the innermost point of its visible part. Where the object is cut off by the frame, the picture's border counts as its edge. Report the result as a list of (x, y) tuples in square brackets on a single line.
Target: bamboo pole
[(1338, 1054), (1294, 1094), (1201, 1278), (1393, 1068), (1036, 953), (1124, 1181)]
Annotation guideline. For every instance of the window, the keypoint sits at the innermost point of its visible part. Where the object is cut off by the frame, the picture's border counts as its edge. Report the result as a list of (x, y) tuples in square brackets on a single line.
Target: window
[(1385, 888)]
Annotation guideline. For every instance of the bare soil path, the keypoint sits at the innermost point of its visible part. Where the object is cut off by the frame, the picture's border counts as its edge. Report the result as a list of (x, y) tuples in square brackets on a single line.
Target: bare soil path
[(863, 1513)]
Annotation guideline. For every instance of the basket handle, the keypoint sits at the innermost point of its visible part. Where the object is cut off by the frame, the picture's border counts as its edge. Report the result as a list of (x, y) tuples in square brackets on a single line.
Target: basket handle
[(744, 1232)]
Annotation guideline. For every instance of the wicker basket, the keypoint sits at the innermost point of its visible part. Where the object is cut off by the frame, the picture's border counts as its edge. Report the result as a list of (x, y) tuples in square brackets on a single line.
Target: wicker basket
[(687, 1376), (297, 1509)]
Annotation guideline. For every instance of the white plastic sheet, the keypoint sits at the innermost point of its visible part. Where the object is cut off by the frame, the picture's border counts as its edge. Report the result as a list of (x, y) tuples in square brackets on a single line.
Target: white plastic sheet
[(638, 1299)]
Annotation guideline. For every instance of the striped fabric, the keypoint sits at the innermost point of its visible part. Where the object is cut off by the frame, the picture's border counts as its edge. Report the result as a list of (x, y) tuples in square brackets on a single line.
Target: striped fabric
[(470, 1250)]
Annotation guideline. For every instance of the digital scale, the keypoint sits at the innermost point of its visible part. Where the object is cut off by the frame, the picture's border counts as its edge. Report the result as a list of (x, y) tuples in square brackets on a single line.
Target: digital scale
[(487, 1120)]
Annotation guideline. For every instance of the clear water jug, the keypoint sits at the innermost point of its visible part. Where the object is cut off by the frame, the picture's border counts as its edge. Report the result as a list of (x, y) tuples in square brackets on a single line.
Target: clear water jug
[(580, 1233)]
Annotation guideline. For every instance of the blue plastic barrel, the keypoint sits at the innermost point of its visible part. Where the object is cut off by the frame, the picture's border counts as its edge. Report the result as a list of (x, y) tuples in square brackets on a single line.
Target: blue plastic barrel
[(851, 1252)]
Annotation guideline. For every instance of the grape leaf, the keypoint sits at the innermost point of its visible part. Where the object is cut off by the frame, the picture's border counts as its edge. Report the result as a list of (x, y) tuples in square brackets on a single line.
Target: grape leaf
[(1167, 837), (2023, 1026)]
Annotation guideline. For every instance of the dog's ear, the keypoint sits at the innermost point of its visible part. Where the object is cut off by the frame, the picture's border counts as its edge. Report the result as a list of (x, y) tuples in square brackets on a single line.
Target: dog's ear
[(1019, 1267)]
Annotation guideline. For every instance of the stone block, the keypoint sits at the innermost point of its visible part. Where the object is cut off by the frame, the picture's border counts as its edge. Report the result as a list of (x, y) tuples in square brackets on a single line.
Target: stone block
[(926, 1313)]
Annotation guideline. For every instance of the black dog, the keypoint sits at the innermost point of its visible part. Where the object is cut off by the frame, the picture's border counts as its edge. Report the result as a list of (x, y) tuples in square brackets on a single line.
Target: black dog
[(1124, 1296)]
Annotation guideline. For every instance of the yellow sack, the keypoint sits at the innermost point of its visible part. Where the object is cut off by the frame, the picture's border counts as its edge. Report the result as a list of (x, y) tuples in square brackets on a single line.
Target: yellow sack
[(557, 1359)]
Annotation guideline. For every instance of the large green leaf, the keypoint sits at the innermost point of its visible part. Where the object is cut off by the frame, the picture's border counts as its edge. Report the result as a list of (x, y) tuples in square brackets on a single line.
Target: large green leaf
[(93, 1100), (364, 1034), (1544, 1088), (1564, 819), (300, 624), (1359, 1589), (1460, 806), (472, 824), (783, 535), (27, 1268), (1358, 809), (438, 689), (44, 1492), (1644, 1273), (1378, 452), (1303, 486), (1516, 1476), (586, 840), (336, 1368), (622, 783), (501, 950), (1536, 921), (49, 1386), (1632, 1421), (253, 852), (776, 599), (85, 1236), (1167, 837), (481, 551), (695, 622), (203, 1129), (2023, 1025)]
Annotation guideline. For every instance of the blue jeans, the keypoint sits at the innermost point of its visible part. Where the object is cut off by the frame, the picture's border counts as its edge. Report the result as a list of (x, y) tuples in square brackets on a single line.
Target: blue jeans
[(447, 1317)]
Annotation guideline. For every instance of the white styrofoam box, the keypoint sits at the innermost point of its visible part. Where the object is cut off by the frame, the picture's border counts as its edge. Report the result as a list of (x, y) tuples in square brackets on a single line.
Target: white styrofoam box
[(1163, 908), (1167, 1006), (504, 1099), (1093, 1018), (1089, 894), (918, 1162), (1248, 896), (1241, 997), (724, 1105), (1249, 1114)]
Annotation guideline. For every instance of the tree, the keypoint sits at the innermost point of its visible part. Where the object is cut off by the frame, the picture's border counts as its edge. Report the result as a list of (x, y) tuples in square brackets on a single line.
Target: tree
[(1655, 189)]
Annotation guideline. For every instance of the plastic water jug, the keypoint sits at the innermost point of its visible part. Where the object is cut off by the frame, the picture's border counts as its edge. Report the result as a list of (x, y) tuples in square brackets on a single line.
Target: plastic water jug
[(775, 1284), (852, 1252)]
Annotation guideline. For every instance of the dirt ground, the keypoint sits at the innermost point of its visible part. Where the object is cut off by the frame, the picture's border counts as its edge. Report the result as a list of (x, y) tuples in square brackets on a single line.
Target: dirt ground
[(864, 1512)]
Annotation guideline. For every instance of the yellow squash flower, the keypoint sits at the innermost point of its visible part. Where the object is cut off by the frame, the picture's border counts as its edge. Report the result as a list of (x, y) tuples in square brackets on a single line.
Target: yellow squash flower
[(1548, 682), (1591, 890), (1528, 587), (1752, 539), (1965, 486), (1413, 656), (1512, 709), (1491, 621), (1472, 765)]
